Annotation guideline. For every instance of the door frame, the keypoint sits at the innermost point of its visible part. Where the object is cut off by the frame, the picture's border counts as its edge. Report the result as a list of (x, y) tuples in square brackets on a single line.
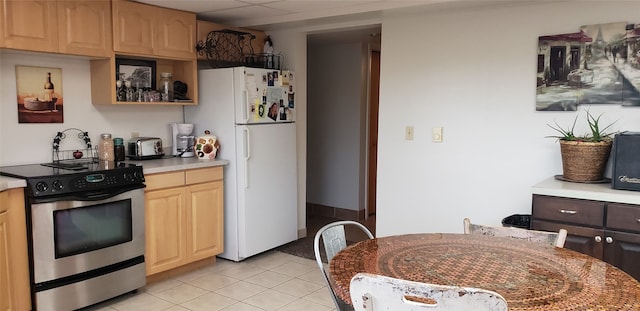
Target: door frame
[(373, 102)]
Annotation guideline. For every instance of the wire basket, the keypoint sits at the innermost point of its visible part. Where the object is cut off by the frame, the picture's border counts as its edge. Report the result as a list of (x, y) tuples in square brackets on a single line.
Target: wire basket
[(230, 48), (79, 155)]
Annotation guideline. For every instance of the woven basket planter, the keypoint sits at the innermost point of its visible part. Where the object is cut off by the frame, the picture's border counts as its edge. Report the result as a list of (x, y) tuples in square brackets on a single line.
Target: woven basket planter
[(584, 161)]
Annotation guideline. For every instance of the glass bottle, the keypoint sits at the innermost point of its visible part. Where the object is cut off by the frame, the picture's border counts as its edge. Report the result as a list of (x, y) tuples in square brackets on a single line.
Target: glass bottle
[(130, 94), (166, 86), (105, 148), (121, 94), (48, 88), (139, 92)]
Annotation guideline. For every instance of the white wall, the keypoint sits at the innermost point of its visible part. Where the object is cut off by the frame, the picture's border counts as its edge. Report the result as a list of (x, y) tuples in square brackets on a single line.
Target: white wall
[(474, 74), (335, 120), (28, 143)]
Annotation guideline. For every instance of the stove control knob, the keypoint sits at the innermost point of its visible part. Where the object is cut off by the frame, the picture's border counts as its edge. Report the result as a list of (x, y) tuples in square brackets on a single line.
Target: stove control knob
[(128, 177), (57, 185), (42, 186)]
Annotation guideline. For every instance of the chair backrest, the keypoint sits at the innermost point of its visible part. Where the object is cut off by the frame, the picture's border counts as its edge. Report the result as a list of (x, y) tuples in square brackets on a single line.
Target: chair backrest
[(371, 292), (556, 239), (334, 240)]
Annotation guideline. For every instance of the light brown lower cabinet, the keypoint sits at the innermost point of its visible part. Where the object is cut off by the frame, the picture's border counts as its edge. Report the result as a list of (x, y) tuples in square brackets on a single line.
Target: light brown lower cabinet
[(184, 217), (14, 269)]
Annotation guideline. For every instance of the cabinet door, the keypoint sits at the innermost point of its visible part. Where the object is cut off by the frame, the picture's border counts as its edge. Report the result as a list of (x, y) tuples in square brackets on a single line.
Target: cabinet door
[(205, 236), (15, 293), (85, 27), (6, 294), (165, 229), (176, 34), (623, 251), (134, 27), (581, 239), (29, 25)]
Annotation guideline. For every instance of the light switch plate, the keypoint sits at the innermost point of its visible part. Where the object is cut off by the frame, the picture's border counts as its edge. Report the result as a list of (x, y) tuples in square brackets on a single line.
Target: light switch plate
[(408, 133), (436, 134)]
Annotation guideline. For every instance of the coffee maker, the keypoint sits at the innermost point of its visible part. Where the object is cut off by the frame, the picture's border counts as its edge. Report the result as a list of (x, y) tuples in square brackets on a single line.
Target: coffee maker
[(183, 140)]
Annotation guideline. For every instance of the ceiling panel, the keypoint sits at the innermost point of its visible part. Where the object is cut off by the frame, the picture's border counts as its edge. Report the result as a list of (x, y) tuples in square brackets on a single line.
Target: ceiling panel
[(241, 13), (197, 5), (256, 13)]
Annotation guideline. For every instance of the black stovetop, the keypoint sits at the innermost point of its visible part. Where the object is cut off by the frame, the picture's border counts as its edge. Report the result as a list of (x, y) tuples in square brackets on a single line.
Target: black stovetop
[(44, 170), (46, 180)]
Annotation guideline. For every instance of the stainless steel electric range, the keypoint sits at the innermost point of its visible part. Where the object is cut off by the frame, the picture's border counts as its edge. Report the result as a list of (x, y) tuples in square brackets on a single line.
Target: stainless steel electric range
[(85, 230)]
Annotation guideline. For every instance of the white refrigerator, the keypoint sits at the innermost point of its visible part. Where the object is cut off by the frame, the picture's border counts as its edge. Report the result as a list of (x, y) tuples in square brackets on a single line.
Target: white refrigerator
[(251, 111)]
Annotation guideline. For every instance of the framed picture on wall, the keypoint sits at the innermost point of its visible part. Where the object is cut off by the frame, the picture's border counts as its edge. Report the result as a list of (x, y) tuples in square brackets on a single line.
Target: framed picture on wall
[(39, 91), (141, 73)]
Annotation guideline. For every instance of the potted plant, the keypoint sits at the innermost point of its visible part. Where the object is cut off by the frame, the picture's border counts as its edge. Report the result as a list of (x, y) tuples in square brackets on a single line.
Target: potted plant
[(584, 158)]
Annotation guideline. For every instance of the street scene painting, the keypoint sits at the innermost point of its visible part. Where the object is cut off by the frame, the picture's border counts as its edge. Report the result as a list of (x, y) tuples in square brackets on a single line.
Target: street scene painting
[(600, 64)]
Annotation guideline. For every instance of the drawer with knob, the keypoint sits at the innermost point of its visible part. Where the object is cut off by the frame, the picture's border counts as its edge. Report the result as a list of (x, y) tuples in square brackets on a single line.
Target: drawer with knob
[(623, 217), (566, 210)]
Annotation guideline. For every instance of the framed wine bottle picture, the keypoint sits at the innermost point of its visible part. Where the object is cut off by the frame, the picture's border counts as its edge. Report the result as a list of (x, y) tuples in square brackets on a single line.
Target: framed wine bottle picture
[(39, 94)]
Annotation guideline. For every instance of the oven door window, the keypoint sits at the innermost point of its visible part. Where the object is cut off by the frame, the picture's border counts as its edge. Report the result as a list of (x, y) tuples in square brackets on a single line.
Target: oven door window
[(88, 228)]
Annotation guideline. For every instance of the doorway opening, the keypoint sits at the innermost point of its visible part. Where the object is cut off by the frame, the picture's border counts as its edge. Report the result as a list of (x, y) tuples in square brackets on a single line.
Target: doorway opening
[(343, 69)]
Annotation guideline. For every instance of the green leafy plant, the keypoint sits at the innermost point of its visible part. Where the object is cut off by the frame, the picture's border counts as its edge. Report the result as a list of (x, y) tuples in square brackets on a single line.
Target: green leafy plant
[(597, 134)]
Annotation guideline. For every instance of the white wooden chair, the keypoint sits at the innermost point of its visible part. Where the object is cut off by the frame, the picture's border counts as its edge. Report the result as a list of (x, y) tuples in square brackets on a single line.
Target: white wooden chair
[(334, 240), (370, 292), (556, 239)]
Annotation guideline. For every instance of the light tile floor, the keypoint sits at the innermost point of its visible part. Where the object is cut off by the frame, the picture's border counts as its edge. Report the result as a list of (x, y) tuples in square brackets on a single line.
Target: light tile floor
[(269, 281)]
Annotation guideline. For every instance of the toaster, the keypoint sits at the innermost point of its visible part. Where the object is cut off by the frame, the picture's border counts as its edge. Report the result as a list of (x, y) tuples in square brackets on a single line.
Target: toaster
[(143, 148)]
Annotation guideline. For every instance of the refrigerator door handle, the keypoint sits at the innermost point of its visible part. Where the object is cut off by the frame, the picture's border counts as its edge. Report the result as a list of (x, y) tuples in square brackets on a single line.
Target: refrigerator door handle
[(247, 155), (245, 110)]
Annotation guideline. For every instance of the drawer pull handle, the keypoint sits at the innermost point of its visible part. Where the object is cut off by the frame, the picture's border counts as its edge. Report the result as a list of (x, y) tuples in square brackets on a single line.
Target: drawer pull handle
[(598, 239), (568, 212), (609, 240)]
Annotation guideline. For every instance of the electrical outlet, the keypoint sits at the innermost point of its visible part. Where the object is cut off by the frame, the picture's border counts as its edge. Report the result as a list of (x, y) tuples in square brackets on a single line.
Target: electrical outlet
[(408, 133), (436, 134)]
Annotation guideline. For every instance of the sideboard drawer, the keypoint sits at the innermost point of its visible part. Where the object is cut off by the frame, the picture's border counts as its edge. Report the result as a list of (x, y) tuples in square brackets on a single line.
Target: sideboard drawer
[(574, 211), (623, 217)]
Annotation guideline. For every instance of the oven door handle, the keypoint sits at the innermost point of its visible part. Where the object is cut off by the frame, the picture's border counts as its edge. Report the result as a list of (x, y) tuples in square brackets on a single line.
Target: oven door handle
[(89, 195)]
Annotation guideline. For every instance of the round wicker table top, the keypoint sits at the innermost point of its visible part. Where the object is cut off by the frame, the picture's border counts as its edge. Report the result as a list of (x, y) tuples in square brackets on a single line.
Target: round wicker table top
[(530, 276)]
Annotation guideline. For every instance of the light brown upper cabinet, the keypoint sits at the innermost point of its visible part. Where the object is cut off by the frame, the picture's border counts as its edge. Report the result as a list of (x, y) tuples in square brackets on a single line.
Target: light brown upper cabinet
[(177, 35), (146, 30), (29, 25), (69, 27), (84, 27)]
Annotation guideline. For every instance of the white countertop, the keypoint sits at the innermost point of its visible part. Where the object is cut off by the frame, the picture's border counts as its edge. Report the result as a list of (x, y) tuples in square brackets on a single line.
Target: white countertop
[(597, 192), (10, 183), (175, 164)]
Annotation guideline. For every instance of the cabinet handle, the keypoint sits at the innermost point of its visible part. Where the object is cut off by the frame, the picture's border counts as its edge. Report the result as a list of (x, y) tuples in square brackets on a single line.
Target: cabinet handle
[(609, 240), (598, 239), (638, 220), (568, 212)]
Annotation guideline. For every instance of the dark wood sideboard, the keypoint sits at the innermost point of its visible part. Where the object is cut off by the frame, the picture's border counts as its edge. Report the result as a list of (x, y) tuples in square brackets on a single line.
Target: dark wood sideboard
[(601, 222)]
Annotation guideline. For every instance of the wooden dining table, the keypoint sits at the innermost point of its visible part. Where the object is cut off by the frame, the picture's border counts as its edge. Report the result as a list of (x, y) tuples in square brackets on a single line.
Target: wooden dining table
[(530, 276)]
